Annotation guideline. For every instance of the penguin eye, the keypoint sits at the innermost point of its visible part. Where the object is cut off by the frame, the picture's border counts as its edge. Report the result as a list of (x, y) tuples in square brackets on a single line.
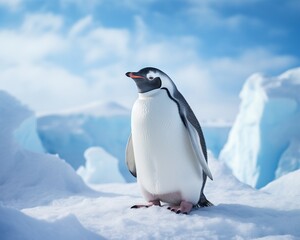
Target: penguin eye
[(151, 78)]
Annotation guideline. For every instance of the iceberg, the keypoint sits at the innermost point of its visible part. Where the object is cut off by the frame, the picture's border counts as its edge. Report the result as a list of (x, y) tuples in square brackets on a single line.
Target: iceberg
[(100, 167), (70, 133), (28, 177), (266, 132)]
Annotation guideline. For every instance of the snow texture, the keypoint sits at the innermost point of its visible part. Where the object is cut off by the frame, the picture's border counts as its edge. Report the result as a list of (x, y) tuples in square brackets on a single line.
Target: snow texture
[(240, 212), (28, 177), (15, 225), (41, 197), (264, 141), (100, 167), (286, 186)]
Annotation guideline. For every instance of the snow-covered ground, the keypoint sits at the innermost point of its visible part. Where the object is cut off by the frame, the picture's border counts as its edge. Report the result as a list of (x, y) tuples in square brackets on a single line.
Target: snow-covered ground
[(264, 141), (240, 212), (41, 197)]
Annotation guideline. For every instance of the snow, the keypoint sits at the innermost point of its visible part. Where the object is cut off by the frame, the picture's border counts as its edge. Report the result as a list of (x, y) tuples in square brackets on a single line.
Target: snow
[(265, 136), (240, 212), (286, 186), (41, 197), (28, 177), (17, 225), (100, 167)]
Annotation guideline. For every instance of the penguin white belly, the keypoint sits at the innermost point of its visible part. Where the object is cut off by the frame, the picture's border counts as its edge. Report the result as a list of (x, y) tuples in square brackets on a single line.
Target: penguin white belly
[(167, 168)]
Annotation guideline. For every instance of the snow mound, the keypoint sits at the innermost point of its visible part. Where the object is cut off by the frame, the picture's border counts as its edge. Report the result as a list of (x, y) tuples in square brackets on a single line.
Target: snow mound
[(100, 167), (16, 225), (287, 186), (266, 133), (27, 177), (240, 212)]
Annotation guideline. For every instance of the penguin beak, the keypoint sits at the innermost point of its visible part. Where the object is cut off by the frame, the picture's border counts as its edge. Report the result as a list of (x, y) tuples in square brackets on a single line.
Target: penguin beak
[(133, 75)]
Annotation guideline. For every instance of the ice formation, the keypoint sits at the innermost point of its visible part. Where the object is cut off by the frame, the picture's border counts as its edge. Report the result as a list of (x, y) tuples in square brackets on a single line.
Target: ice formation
[(100, 167), (264, 140), (27, 176), (70, 133)]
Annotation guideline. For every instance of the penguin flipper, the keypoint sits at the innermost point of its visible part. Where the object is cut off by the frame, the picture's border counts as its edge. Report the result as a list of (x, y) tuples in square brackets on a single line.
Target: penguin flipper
[(194, 137), (195, 133), (130, 160)]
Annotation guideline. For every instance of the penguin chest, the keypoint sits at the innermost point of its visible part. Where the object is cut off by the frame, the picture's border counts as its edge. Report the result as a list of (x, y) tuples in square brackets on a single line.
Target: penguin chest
[(165, 161)]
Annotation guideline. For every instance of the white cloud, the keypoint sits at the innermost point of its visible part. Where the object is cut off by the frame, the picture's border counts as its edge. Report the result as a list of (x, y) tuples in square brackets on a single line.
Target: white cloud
[(38, 23), (105, 54), (233, 71), (35, 40), (105, 43), (80, 26), (43, 86), (17, 46), (207, 14), (11, 4)]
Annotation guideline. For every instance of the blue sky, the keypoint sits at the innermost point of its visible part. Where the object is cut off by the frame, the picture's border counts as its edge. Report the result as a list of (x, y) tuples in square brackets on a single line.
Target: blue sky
[(60, 54)]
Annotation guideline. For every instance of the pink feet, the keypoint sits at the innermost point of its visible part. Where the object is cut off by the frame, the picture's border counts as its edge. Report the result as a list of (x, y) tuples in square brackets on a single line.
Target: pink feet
[(151, 203), (185, 207)]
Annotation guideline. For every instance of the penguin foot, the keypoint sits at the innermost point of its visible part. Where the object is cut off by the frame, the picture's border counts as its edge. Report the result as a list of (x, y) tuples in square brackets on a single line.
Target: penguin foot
[(203, 202), (185, 208), (151, 203)]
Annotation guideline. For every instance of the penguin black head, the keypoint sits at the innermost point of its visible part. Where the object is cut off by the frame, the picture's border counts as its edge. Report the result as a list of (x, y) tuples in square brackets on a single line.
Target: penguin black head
[(149, 78)]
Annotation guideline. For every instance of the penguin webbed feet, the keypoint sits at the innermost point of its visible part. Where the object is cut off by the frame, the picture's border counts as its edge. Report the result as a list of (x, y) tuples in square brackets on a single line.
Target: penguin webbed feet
[(150, 204), (203, 202), (184, 208)]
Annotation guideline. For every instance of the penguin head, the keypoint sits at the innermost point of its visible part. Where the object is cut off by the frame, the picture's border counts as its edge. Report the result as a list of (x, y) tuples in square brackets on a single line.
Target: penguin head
[(149, 78)]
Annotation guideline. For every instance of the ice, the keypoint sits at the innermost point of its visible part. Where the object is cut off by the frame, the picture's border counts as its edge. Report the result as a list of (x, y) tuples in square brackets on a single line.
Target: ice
[(70, 133), (215, 136), (27, 137), (100, 167), (27, 177), (266, 127), (290, 159)]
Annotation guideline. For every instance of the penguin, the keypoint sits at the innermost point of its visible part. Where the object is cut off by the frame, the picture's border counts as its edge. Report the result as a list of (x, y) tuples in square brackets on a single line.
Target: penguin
[(166, 149)]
